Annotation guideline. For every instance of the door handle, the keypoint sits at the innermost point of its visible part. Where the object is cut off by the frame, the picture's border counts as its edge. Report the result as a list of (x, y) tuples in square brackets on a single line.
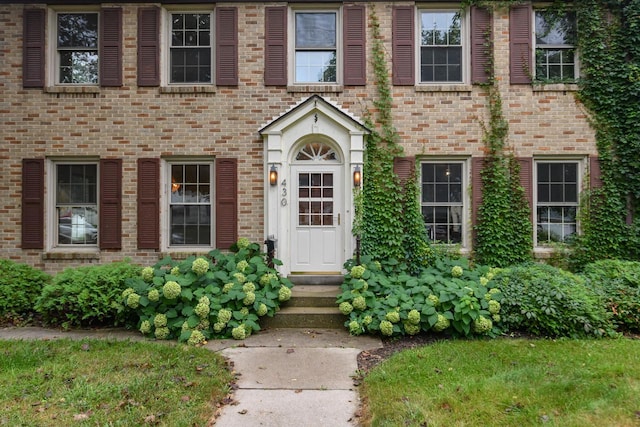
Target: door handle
[(338, 219)]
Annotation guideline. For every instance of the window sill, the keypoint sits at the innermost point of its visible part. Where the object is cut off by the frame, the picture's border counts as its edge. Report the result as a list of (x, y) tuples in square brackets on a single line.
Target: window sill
[(71, 255), (72, 89), (555, 87), (188, 89), (315, 88), (444, 88)]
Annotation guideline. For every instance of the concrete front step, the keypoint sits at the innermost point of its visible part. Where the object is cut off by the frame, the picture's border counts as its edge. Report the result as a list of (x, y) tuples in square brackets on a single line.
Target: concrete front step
[(316, 279), (313, 296), (306, 317), (310, 306)]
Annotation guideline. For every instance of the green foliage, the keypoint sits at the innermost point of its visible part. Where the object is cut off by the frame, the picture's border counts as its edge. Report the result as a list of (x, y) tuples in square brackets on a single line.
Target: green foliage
[(86, 295), (389, 222), (503, 233), (609, 44), (546, 301), (218, 296), (20, 285), (617, 283), (449, 297)]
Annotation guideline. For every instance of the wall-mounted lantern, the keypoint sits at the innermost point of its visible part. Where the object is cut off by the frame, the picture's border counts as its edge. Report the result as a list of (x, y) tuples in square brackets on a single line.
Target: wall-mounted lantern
[(357, 177), (273, 175)]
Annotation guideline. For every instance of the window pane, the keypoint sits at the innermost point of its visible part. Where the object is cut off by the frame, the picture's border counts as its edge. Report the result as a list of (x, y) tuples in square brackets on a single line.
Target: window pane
[(78, 66), (190, 210), (555, 30), (315, 30), (315, 66), (78, 225), (78, 30)]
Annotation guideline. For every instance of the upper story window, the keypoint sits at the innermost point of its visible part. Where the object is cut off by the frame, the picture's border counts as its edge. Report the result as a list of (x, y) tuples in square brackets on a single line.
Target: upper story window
[(555, 46), (441, 53), (76, 203), (557, 188), (190, 48), (443, 200), (316, 49), (77, 48)]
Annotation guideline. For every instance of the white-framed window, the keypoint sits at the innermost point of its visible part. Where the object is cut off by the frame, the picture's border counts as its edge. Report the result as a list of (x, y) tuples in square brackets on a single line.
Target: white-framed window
[(316, 46), (443, 200), (75, 200), (190, 47), (76, 46), (555, 38), (556, 200), (443, 46), (190, 210)]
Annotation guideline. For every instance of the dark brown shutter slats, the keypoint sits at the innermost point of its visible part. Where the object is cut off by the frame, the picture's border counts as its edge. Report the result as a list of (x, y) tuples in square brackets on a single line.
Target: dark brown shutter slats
[(403, 40), (110, 227), (481, 33), (149, 203), (520, 44), (111, 46), (32, 203), (526, 180), (275, 46), (226, 202), (149, 46), (227, 46), (404, 167), (33, 47), (477, 163), (355, 62), (595, 177)]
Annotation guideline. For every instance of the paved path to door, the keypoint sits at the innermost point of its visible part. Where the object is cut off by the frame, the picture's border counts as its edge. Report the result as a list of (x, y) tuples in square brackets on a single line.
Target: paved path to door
[(286, 377)]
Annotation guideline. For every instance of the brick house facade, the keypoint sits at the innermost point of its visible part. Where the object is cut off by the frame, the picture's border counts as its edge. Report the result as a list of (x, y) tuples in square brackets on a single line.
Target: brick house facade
[(136, 130)]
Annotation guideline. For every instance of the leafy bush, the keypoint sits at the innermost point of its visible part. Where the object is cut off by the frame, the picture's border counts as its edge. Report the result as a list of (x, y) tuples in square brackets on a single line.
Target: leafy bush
[(618, 284), (543, 300), (20, 285), (87, 295), (217, 296), (448, 297)]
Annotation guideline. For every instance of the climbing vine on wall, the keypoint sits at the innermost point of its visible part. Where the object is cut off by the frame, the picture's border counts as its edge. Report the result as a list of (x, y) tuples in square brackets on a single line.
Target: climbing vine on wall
[(609, 88), (389, 219), (504, 230)]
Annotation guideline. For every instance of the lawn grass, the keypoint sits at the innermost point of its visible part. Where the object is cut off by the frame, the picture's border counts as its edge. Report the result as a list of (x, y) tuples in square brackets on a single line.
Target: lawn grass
[(108, 383), (508, 382)]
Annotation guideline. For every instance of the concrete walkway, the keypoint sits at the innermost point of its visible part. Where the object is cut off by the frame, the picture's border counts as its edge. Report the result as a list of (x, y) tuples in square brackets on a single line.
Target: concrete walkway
[(286, 377)]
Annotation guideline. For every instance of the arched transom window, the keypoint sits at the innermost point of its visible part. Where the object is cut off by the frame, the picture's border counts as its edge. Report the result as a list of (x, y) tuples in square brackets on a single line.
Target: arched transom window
[(316, 152)]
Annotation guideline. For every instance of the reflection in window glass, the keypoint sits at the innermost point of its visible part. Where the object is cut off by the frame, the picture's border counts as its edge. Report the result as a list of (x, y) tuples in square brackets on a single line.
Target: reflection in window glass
[(557, 201), (440, 47), (555, 46), (190, 204), (77, 48), (442, 201), (315, 47), (76, 204), (190, 49)]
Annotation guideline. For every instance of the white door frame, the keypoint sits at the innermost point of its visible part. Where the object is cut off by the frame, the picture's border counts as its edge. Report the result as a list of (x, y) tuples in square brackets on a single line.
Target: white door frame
[(313, 118)]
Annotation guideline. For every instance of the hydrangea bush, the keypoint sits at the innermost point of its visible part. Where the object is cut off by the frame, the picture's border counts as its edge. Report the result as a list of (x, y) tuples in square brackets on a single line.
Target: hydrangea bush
[(448, 297), (220, 295)]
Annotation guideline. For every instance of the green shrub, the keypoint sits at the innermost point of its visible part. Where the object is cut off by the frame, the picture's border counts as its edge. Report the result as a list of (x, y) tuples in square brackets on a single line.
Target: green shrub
[(448, 297), (20, 285), (87, 295), (215, 296), (618, 284), (543, 300)]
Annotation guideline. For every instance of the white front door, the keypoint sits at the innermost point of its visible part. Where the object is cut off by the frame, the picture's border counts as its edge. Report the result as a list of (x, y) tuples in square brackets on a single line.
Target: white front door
[(317, 216)]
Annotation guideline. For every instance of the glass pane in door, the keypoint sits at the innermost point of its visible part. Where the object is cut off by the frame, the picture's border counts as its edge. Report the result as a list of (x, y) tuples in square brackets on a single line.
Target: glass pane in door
[(315, 199)]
